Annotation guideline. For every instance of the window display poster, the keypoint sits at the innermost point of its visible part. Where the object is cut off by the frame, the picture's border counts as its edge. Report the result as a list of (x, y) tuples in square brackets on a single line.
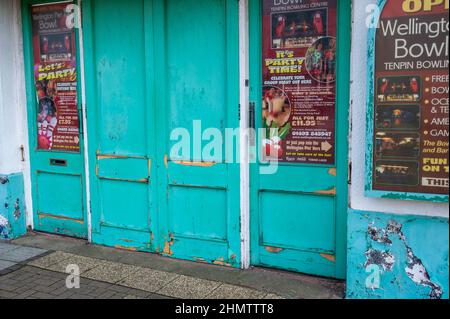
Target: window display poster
[(411, 100), (299, 81), (55, 72)]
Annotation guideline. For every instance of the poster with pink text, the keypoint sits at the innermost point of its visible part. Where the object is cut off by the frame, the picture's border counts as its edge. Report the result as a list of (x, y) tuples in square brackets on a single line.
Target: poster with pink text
[(55, 72)]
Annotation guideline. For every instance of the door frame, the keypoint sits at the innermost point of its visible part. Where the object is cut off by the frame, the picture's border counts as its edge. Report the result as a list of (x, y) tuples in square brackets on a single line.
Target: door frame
[(30, 89), (342, 133)]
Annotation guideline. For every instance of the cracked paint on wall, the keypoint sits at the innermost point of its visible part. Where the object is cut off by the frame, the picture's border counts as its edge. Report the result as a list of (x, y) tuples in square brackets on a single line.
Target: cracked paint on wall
[(5, 228), (12, 211), (17, 210), (415, 269), (393, 256), (380, 258)]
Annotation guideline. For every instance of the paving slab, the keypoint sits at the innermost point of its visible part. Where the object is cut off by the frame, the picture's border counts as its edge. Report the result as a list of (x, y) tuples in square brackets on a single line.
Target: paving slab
[(291, 285), (111, 272), (185, 287), (149, 280), (21, 254), (49, 260), (84, 263), (226, 291), (6, 264), (7, 247)]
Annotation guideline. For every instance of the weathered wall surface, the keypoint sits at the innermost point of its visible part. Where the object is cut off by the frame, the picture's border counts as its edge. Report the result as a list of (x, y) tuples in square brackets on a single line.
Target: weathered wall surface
[(12, 207), (405, 242), (393, 256), (13, 138)]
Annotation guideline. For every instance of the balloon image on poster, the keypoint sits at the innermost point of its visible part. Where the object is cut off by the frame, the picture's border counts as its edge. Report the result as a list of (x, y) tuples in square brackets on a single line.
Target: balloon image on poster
[(299, 75), (55, 73)]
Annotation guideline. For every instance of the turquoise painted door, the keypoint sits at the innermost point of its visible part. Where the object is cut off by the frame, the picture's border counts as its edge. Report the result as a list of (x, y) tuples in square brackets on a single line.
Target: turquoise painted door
[(298, 213), (54, 118), (154, 69)]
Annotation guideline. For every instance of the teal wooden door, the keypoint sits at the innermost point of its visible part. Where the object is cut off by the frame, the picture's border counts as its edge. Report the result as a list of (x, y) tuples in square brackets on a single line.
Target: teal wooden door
[(298, 213), (197, 83), (54, 119), (155, 68), (121, 124)]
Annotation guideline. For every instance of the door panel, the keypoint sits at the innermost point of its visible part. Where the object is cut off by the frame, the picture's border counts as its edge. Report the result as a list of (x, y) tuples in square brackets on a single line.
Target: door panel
[(313, 220), (128, 211), (161, 66), (298, 214), (117, 94), (68, 203), (121, 91), (200, 207), (196, 63), (57, 167)]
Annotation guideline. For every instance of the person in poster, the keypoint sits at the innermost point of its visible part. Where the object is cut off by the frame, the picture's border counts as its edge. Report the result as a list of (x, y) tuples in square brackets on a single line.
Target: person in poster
[(55, 79), (47, 121), (299, 74)]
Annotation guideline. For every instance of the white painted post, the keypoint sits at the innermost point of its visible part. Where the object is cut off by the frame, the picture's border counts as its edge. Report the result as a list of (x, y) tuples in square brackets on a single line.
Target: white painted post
[(244, 136), (23, 111), (85, 126)]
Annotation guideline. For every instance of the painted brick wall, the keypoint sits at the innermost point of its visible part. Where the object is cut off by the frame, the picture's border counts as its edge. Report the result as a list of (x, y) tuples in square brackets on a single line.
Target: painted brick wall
[(393, 256)]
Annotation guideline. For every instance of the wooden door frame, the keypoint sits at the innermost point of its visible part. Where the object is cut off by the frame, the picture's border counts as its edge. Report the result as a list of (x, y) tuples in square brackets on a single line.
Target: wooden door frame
[(342, 133)]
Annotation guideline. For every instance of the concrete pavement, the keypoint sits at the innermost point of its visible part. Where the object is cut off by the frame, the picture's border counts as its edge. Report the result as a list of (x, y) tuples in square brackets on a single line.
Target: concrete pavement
[(35, 267)]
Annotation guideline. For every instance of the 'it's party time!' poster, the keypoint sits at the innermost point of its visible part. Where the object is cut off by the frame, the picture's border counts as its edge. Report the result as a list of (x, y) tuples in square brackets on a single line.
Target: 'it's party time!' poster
[(55, 72), (299, 81)]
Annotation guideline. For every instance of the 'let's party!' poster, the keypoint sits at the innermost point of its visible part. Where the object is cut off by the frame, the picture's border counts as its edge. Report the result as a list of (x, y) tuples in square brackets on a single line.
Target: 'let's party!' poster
[(55, 72)]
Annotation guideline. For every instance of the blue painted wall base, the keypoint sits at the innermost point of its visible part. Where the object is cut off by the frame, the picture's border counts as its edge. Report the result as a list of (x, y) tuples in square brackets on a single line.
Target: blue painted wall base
[(397, 257), (12, 207)]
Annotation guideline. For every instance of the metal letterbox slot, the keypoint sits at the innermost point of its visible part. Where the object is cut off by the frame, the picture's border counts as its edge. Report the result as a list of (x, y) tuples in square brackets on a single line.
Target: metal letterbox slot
[(58, 162)]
